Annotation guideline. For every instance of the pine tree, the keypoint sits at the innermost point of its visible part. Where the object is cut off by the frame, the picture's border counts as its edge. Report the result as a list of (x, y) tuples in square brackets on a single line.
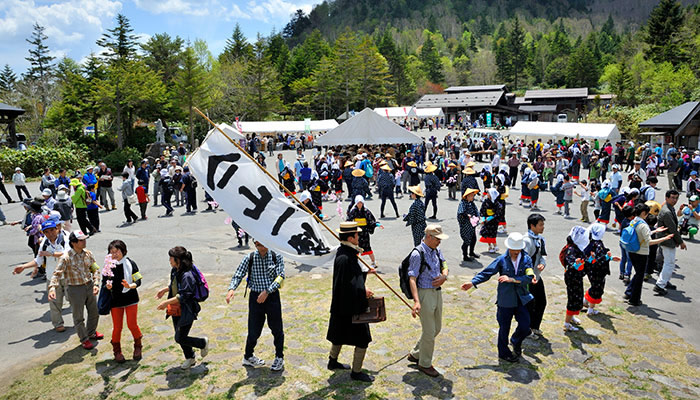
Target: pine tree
[(191, 86), (373, 74), (431, 60), (325, 83), (163, 54), (401, 84), (237, 47), (662, 29), (581, 70), (347, 66), (39, 58), (265, 89), (7, 80), (516, 50)]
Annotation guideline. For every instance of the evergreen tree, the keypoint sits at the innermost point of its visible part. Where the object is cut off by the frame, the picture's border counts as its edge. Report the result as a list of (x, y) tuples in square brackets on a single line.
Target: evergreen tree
[(504, 69), (325, 83), (95, 72), (237, 47), (264, 89), (191, 86), (7, 80), (119, 42), (163, 54), (347, 66), (516, 50), (581, 70), (41, 62), (373, 73), (402, 87), (662, 30), (431, 60)]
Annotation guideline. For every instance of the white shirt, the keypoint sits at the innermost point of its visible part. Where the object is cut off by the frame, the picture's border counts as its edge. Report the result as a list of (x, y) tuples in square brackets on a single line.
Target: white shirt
[(516, 263), (51, 262), (616, 180)]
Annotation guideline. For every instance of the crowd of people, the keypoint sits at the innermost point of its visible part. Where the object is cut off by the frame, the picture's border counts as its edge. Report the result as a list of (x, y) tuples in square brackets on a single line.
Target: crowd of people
[(650, 232)]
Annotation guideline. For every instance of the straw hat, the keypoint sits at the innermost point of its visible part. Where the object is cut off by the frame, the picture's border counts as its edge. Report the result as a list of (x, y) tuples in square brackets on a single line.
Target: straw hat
[(469, 171), (385, 168), (452, 165), (470, 164), (515, 241), (416, 190), (430, 168), (468, 192), (387, 155), (412, 164), (358, 172), (654, 207), (382, 163), (349, 227), (348, 164)]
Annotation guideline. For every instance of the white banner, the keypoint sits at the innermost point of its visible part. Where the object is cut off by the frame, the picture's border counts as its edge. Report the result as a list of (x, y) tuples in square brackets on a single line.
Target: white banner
[(255, 202)]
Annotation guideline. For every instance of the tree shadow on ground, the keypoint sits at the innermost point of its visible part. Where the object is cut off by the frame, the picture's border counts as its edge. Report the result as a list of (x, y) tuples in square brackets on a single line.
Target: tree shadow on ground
[(423, 385), (110, 368), (340, 386), (652, 313), (262, 379), (47, 338), (522, 371), (73, 356), (605, 321)]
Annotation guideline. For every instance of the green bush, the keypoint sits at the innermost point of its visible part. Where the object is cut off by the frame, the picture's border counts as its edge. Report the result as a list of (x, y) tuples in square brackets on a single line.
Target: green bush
[(118, 158), (35, 159)]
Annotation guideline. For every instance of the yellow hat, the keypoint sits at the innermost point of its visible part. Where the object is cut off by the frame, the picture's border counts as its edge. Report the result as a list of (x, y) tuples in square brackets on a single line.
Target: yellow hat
[(412, 164), (468, 192), (428, 162), (416, 190), (654, 207), (387, 155), (348, 164), (358, 172), (382, 163), (452, 165), (385, 168), (469, 171), (470, 164), (430, 168)]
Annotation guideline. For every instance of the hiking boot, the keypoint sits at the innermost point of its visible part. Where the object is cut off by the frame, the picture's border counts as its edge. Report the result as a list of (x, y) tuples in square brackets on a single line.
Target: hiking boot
[(430, 371), (253, 361), (333, 364), (205, 350), (117, 350), (138, 348), (361, 376)]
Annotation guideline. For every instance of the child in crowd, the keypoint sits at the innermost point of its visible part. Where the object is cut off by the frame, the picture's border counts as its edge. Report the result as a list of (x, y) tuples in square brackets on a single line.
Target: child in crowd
[(143, 198), (568, 189), (594, 197)]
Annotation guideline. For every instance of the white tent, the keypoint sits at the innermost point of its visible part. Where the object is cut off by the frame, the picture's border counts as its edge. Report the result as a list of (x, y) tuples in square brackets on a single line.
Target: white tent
[(426, 112), (229, 130), (367, 127), (393, 112), (533, 130), (286, 126)]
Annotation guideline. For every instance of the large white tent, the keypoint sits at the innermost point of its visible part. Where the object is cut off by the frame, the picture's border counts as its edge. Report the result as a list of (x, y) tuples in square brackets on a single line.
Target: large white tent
[(367, 127), (393, 112), (286, 126), (432, 112), (533, 130), (228, 130)]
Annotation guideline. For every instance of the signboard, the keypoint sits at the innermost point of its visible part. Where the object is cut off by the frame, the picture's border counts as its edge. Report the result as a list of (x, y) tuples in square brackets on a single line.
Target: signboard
[(488, 119)]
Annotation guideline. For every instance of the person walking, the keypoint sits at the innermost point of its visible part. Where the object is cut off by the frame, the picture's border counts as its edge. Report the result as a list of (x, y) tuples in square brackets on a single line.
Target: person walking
[(82, 283), (576, 243), (93, 208), (427, 271), (265, 271), (166, 190), (385, 183), (668, 218), (535, 248), (490, 208), (181, 304), (189, 187), (416, 215), (4, 190), (349, 297), (143, 198), (20, 182), (80, 199), (123, 282), (432, 188), (366, 221), (516, 273), (127, 188), (468, 219), (104, 178)]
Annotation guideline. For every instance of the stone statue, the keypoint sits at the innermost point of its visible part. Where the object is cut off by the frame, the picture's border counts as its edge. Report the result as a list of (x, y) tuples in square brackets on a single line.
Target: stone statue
[(160, 132)]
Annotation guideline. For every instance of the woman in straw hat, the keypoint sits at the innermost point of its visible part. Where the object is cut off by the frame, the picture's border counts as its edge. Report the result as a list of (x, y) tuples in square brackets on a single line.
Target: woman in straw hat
[(385, 184), (416, 215), (366, 221), (432, 187), (468, 219), (452, 180), (413, 173), (490, 209), (469, 181), (360, 187)]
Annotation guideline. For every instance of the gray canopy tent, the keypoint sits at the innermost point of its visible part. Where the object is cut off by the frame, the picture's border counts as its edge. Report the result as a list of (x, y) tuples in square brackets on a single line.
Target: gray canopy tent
[(367, 127)]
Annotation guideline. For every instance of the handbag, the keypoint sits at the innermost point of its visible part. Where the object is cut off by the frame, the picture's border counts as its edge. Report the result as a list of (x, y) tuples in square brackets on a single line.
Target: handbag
[(174, 310), (376, 312), (104, 300), (133, 199)]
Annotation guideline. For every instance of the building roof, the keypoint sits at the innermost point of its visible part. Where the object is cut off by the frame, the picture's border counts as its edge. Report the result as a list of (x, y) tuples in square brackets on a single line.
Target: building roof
[(521, 100), (480, 88), (469, 99), (539, 108), (557, 93), (673, 117), (393, 112)]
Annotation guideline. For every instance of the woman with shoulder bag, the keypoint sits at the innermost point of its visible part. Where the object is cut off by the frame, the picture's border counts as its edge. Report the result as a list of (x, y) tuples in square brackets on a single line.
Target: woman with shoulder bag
[(181, 304), (128, 196), (125, 298)]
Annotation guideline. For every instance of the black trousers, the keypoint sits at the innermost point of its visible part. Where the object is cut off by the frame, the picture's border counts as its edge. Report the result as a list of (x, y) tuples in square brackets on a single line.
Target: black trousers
[(191, 199), (4, 192), (165, 199), (272, 309), (128, 213), (94, 218), (652, 266), (434, 201), (143, 207), (185, 341), (634, 289), (83, 222), (468, 247), (536, 307), (389, 197), (21, 189), (513, 176)]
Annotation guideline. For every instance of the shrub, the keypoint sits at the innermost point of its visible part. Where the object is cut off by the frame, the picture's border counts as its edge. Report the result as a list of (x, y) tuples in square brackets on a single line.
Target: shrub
[(118, 158), (36, 158)]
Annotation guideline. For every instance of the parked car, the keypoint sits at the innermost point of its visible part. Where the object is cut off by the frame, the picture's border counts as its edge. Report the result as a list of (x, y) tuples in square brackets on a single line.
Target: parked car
[(562, 118)]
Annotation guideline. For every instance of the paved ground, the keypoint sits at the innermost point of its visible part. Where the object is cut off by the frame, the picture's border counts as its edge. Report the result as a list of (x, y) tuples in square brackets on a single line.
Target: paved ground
[(27, 329)]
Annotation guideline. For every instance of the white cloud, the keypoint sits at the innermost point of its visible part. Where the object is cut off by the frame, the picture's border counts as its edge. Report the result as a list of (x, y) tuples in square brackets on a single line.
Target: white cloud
[(184, 7), (276, 9)]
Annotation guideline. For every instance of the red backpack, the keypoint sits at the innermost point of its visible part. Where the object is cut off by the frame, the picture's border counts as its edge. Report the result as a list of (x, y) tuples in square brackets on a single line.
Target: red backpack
[(562, 255)]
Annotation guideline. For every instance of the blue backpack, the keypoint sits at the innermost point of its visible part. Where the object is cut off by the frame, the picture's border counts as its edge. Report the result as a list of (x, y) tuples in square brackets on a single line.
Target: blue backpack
[(367, 167), (629, 238)]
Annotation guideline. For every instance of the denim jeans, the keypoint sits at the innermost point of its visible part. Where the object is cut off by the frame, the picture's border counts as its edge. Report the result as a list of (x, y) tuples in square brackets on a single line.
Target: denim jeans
[(625, 262)]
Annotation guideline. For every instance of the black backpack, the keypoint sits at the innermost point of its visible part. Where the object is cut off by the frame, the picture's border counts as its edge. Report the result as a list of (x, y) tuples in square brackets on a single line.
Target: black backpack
[(404, 279)]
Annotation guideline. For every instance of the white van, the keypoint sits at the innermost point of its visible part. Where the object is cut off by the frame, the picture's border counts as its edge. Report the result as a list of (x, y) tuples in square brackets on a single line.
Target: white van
[(562, 118), (481, 133)]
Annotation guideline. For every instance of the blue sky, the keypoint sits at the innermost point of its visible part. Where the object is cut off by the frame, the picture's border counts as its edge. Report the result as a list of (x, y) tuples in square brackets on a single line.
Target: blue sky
[(73, 26)]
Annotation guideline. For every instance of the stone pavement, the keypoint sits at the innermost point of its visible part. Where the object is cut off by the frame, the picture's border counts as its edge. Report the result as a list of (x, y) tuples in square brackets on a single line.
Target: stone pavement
[(616, 355)]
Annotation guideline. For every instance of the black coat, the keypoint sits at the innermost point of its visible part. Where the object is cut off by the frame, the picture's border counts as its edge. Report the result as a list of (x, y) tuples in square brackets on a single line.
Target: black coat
[(119, 298), (186, 283), (349, 298)]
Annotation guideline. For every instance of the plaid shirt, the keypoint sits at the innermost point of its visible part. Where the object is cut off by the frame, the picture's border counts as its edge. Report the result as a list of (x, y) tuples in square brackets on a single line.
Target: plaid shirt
[(77, 269), (265, 274)]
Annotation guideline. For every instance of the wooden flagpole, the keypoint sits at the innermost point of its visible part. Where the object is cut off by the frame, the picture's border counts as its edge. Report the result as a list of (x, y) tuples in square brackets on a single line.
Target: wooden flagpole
[(242, 150)]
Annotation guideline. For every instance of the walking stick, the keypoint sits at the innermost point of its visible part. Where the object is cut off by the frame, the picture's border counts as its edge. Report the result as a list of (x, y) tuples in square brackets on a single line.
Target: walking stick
[(298, 201)]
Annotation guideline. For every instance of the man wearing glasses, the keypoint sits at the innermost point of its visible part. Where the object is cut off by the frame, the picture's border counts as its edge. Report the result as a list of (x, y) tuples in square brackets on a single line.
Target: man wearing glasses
[(82, 279)]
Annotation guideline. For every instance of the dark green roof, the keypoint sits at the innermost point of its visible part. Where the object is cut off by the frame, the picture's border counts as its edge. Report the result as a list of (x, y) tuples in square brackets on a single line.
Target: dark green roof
[(673, 117)]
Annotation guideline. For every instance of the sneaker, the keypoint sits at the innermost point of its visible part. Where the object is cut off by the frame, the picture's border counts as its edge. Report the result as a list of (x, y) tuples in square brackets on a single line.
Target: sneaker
[(87, 344), (97, 336), (253, 361), (205, 350), (187, 364), (569, 328), (661, 291), (626, 280), (277, 364), (575, 321), (536, 332), (593, 311), (670, 286), (496, 249)]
